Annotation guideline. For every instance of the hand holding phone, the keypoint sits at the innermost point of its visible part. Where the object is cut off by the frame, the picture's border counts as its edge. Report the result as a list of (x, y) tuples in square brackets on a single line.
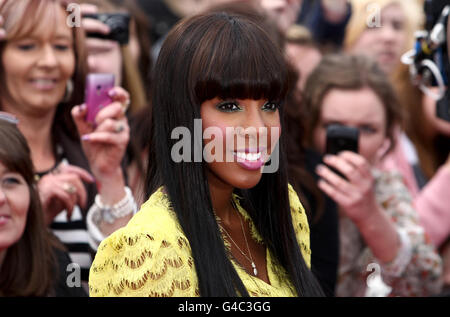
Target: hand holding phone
[(97, 94)]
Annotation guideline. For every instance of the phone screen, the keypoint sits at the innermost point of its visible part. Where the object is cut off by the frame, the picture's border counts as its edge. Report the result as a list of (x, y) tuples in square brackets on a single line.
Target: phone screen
[(97, 94), (341, 138)]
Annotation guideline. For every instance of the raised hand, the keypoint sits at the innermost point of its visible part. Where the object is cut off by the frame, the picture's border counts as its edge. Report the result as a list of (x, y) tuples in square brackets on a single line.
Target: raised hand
[(355, 194), (105, 145), (63, 189)]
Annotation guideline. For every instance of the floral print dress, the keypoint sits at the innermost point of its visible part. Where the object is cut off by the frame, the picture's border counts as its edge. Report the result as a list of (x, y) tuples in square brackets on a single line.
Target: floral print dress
[(417, 268)]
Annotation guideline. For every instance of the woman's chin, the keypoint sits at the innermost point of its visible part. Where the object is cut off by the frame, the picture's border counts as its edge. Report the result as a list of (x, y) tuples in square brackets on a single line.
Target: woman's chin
[(235, 175), (247, 179)]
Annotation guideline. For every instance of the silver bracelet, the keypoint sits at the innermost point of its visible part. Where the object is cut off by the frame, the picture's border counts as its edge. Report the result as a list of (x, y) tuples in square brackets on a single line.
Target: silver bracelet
[(120, 209)]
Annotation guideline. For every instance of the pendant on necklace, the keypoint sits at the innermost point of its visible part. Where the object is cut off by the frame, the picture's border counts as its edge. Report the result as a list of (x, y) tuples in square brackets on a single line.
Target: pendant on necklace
[(255, 271)]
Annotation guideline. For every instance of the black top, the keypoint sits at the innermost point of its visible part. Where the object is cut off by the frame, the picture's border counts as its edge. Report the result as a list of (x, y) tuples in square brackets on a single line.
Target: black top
[(324, 238), (67, 277)]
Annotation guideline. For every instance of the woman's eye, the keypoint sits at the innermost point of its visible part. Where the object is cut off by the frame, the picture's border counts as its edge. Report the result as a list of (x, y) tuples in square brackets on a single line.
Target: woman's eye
[(367, 129), (61, 47), (11, 181), (228, 107), (397, 25), (25, 47), (270, 106)]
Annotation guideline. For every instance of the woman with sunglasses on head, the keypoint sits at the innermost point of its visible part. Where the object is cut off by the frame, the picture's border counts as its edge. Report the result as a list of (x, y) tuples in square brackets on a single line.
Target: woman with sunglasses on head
[(211, 226), (42, 77)]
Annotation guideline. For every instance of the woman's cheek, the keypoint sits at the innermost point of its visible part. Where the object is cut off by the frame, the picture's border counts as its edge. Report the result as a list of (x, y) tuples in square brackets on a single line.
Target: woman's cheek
[(218, 140), (273, 137)]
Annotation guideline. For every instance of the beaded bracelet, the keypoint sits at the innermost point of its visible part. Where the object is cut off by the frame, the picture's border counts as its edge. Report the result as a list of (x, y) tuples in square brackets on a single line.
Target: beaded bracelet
[(120, 209)]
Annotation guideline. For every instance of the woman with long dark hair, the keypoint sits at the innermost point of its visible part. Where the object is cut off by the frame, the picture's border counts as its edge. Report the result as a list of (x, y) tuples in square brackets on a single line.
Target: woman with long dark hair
[(32, 261), (214, 227)]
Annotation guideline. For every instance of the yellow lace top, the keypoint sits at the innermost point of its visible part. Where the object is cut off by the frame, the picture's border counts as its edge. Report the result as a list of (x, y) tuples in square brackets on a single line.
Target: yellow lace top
[(151, 256)]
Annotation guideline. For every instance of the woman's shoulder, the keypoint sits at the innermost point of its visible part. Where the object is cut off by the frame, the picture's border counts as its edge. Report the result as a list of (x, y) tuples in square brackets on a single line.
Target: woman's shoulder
[(155, 222), (151, 247), (300, 223), (156, 214), (294, 201)]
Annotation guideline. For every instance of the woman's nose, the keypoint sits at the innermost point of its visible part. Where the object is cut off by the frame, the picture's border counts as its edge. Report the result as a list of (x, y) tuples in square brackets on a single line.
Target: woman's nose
[(48, 58), (254, 118), (255, 127), (388, 33)]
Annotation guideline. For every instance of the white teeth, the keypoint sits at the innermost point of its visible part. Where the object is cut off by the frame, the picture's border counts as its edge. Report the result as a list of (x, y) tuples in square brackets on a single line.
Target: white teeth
[(44, 81), (248, 156)]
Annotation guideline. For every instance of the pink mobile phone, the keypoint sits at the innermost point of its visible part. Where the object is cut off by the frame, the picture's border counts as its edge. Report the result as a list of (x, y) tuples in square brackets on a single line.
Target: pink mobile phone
[(96, 94)]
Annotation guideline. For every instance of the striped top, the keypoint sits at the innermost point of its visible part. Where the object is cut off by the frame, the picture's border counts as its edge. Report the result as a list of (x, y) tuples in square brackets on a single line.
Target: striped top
[(74, 235)]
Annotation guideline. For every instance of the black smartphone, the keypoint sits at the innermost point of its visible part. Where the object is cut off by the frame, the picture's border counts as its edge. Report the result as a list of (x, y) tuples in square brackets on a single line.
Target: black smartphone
[(119, 23), (341, 138)]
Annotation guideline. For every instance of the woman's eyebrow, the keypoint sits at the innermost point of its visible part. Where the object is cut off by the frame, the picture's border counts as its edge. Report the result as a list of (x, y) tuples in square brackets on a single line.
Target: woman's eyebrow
[(63, 37)]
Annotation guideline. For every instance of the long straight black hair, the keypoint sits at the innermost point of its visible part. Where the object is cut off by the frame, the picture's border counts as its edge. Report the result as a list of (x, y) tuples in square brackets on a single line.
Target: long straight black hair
[(228, 56)]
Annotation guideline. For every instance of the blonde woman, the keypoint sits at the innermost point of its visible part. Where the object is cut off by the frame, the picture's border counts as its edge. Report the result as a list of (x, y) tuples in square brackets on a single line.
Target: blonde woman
[(383, 30)]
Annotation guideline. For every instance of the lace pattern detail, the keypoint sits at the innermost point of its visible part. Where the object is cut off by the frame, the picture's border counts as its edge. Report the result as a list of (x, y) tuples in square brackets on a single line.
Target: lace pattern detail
[(151, 256)]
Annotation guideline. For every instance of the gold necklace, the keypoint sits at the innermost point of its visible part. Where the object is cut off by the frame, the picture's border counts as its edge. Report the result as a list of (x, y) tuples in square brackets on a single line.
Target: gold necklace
[(255, 271)]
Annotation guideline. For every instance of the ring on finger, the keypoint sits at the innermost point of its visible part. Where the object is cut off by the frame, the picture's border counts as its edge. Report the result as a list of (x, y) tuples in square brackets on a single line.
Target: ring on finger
[(119, 128), (69, 188), (126, 105)]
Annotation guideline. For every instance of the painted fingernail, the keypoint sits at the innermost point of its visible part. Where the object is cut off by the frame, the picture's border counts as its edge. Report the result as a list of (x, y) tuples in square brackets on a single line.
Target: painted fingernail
[(83, 107), (85, 137), (319, 168), (112, 93)]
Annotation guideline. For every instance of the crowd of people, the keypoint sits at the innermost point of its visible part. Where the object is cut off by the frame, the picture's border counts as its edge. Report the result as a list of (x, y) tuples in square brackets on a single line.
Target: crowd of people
[(210, 170)]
